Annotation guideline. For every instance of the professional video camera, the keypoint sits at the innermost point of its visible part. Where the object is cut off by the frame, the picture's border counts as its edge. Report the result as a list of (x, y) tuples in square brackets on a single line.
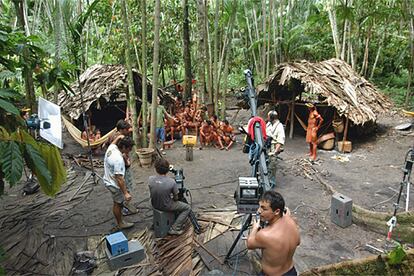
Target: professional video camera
[(182, 192)]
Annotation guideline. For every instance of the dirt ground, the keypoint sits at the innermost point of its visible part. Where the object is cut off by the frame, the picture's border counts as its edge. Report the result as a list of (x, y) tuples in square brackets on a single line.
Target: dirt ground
[(370, 175)]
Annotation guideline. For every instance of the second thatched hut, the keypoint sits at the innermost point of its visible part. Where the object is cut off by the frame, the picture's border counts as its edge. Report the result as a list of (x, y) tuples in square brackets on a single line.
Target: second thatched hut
[(332, 85)]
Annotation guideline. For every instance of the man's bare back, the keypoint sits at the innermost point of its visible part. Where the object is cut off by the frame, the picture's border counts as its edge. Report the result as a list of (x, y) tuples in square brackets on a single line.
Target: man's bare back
[(281, 238)]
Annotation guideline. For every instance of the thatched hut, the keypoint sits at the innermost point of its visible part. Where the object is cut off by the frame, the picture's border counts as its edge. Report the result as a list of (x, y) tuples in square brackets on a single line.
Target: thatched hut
[(331, 85), (104, 91)]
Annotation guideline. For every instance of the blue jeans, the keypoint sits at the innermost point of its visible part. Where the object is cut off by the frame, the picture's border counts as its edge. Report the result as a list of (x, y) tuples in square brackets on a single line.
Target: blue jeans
[(160, 134)]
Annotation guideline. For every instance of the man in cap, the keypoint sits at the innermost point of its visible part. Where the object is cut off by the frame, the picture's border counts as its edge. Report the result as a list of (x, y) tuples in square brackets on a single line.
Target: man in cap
[(274, 130)]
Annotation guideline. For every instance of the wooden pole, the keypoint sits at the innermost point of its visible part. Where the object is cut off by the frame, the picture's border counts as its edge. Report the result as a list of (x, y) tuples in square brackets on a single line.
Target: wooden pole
[(292, 117), (345, 134)]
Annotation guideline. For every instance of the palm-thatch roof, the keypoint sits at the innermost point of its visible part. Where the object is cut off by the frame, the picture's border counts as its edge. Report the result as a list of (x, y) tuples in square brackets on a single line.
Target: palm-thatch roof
[(108, 83), (332, 82)]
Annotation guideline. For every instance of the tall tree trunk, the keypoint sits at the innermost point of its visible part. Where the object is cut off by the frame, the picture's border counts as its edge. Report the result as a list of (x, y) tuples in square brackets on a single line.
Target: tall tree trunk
[(155, 71), (275, 33), (344, 37), (207, 53), (256, 65), (364, 66), (27, 70), (409, 93), (224, 90), (264, 6), (187, 52), (58, 43), (334, 28), (144, 106), (281, 31), (201, 83), (378, 54), (131, 99), (215, 57), (269, 36), (257, 38), (228, 39)]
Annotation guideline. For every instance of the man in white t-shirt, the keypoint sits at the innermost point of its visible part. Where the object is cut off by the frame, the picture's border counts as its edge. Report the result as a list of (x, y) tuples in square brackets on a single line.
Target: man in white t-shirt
[(274, 130), (114, 177)]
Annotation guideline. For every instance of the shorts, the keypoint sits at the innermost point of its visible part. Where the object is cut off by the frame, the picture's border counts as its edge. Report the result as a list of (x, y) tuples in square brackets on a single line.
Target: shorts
[(117, 195), (160, 133), (291, 272)]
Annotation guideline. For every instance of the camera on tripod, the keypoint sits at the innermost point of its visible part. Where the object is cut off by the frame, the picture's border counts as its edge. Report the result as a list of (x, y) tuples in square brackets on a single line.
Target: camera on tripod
[(179, 179), (182, 192)]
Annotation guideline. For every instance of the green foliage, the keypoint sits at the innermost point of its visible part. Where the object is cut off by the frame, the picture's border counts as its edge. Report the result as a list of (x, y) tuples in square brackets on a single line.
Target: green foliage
[(11, 161), (42, 159), (397, 255), (33, 157)]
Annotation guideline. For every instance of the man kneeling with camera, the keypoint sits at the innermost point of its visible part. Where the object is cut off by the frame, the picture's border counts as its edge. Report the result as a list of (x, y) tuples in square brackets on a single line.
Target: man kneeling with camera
[(164, 196)]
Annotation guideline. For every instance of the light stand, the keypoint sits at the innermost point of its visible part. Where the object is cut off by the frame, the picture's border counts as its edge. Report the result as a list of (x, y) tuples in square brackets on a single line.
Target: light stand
[(409, 160)]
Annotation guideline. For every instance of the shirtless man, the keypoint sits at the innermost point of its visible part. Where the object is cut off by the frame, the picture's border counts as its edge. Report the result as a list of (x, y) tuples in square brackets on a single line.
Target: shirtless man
[(315, 121), (278, 240), (227, 133), (206, 133)]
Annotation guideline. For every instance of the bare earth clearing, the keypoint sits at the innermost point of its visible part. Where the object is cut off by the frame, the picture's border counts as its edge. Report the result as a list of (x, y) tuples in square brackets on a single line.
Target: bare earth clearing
[(370, 177)]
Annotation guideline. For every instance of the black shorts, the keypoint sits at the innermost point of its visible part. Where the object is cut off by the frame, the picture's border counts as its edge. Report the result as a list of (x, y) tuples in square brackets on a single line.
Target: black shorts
[(291, 272)]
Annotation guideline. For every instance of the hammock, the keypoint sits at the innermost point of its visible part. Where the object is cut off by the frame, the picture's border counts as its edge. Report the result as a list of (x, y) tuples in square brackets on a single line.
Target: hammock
[(77, 135)]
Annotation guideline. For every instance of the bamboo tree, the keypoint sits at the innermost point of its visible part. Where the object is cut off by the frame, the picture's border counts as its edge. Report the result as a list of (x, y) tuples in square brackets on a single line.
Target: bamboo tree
[(263, 57), (209, 79), (215, 56), (201, 84), (58, 41), (410, 12), (269, 35), (224, 90), (131, 99), (249, 31), (27, 70), (281, 37), (364, 67), (144, 106), (334, 27), (186, 52), (155, 71)]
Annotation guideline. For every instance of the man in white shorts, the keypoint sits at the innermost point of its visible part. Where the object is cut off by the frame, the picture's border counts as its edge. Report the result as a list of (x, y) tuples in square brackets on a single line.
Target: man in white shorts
[(114, 177)]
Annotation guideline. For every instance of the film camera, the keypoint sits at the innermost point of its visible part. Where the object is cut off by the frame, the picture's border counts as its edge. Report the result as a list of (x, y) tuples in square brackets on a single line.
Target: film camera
[(182, 192)]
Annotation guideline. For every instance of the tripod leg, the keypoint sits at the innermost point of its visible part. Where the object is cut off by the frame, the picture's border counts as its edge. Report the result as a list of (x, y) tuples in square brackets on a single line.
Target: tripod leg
[(244, 228), (86, 178)]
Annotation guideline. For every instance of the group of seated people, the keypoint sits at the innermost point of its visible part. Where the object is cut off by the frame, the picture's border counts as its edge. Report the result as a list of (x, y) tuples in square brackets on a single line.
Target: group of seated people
[(92, 134), (189, 118)]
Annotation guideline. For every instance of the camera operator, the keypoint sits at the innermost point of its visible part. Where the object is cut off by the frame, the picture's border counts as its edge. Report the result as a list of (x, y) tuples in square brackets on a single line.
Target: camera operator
[(278, 240), (164, 196), (275, 131)]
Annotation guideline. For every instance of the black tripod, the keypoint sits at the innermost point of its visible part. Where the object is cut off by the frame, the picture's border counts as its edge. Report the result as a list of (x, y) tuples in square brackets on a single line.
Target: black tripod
[(409, 160)]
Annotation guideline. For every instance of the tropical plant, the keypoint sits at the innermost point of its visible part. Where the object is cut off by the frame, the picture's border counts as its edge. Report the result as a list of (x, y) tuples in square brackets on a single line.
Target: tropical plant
[(17, 147)]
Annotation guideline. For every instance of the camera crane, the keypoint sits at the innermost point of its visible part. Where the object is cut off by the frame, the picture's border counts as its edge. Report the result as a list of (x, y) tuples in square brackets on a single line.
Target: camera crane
[(251, 188)]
